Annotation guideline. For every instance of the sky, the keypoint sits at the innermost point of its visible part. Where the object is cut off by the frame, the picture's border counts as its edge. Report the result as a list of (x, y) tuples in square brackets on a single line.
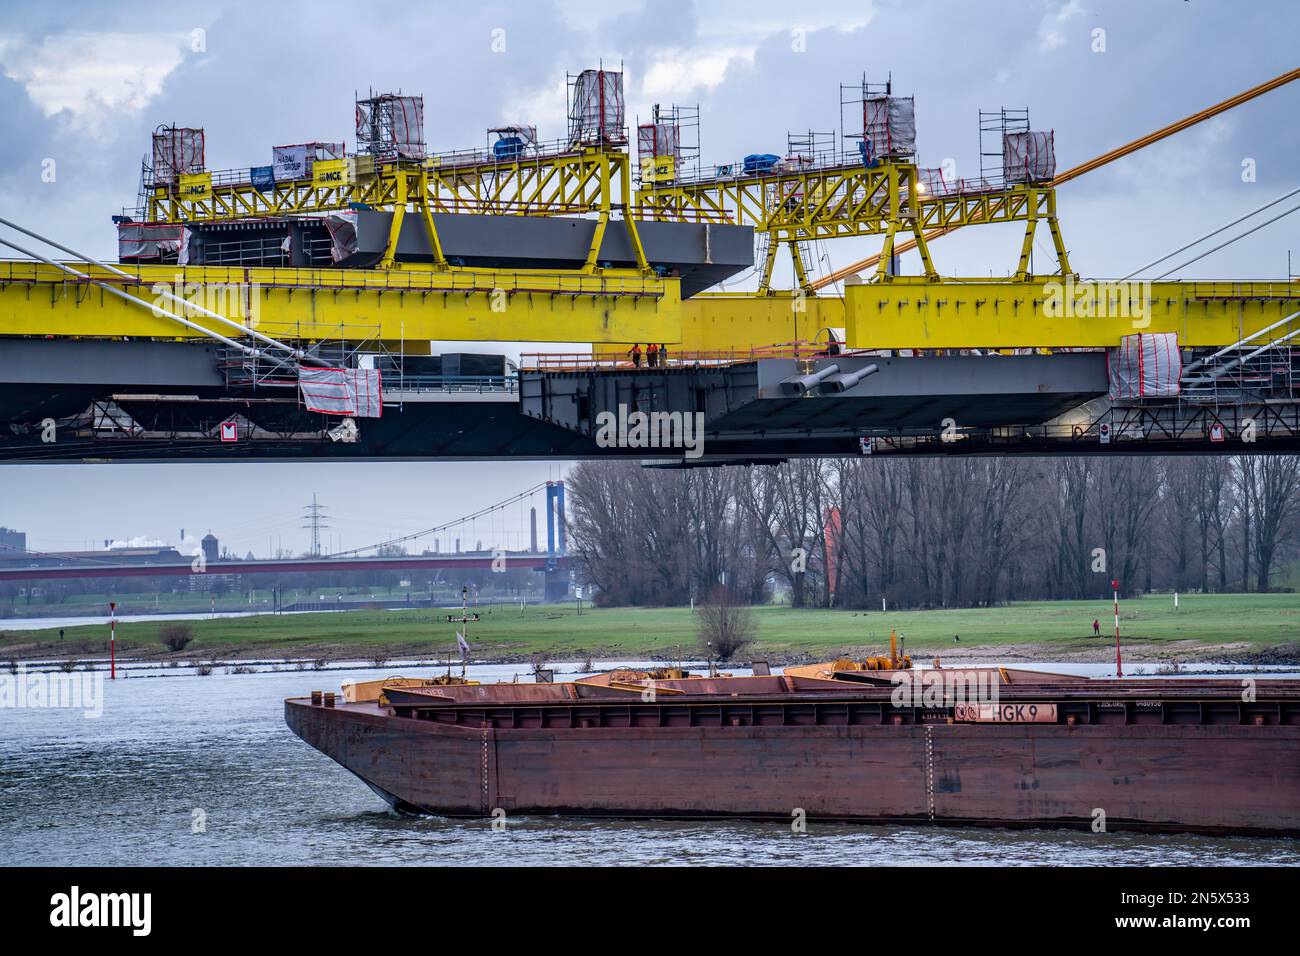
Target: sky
[(84, 83)]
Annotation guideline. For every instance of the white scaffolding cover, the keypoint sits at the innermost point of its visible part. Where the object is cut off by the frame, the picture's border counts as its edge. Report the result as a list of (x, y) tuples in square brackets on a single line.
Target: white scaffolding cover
[(931, 182), (408, 126), (342, 227), (176, 151), (146, 240), (1029, 157), (1145, 365), (658, 139), (596, 113), (392, 126), (889, 125), (342, 391)]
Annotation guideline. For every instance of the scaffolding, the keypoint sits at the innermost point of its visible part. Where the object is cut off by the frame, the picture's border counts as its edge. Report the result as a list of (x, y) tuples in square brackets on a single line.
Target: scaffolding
[(853, 100), (810, 149), (668, 147), (390, 126), (995, 126), (596, 109), (177, 151)]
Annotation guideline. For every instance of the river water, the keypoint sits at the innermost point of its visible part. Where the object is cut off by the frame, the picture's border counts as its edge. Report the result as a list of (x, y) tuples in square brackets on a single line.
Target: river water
[(175, 749)]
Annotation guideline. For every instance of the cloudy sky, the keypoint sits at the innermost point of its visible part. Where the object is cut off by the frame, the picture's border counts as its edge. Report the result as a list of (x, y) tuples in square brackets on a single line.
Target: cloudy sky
[(84, 83)]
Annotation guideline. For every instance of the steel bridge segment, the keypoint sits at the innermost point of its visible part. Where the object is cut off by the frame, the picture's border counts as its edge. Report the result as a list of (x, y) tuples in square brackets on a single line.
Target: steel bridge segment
[(1052, 312), (700, 254), (351, 304), (165, 401)]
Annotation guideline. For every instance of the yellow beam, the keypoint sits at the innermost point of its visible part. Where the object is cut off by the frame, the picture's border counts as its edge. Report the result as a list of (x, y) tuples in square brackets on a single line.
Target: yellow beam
[(714, 322), (1049, 312), (348, 304)]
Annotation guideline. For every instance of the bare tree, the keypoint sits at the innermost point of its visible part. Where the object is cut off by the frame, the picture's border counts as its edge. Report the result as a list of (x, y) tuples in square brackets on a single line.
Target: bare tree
[(931, 532), (726, 627), (1276, 477)]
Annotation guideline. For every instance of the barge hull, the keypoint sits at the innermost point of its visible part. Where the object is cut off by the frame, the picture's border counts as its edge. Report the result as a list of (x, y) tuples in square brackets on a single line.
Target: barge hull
[(1198, 778)]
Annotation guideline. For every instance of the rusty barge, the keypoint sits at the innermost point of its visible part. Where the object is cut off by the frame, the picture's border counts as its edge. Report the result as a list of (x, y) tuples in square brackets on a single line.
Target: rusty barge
[(1173, 755)]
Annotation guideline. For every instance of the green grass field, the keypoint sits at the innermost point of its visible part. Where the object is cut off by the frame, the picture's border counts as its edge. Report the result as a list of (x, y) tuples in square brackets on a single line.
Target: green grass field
[(1150, 627)]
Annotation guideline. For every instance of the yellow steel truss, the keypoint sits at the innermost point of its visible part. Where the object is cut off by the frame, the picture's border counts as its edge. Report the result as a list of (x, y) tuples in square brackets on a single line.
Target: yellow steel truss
[(587, 181), (801, 205)]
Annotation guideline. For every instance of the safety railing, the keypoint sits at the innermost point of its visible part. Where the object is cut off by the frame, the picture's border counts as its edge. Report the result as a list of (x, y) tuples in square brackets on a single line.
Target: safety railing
[(668, 359), (396, 280), (476, 384)]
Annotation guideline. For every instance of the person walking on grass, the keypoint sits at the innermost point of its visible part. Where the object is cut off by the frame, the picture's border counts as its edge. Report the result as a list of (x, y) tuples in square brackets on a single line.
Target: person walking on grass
[(1096, 627)]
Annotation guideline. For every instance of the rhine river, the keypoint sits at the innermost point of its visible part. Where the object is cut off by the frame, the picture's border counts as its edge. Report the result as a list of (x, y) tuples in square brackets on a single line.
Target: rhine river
[(187, 769)]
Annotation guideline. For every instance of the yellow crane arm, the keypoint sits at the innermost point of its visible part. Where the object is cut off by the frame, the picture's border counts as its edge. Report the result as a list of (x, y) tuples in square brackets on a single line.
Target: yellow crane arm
[(1089, 166)]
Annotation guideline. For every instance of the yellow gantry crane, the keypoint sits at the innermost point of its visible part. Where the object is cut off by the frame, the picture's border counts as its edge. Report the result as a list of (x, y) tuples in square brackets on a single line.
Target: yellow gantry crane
[(794, 206), (564, 181), (791, 204)]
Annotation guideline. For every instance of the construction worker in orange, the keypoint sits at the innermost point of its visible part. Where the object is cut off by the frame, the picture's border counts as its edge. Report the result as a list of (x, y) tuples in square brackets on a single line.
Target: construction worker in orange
[(652, 356), (635, 353)]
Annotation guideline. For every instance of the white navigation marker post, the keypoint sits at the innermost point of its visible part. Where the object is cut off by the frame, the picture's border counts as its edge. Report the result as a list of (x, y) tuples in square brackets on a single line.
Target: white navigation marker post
[(1119, 663), (112, 640)]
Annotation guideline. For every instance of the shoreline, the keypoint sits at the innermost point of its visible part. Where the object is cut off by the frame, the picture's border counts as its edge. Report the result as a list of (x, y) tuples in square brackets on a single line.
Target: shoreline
[(379, 655), (1254, 629)]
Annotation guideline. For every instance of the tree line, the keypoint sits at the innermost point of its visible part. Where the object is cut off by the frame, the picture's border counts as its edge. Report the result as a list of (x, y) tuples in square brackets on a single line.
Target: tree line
[(914, 532)]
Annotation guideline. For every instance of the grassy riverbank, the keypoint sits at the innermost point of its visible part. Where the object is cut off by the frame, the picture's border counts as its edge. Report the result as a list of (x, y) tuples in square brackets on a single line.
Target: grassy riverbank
[(1208, 626)]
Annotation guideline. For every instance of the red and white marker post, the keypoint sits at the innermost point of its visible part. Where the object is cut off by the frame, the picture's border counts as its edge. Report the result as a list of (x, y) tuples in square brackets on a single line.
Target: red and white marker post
[(1119, 662), (112, 640)]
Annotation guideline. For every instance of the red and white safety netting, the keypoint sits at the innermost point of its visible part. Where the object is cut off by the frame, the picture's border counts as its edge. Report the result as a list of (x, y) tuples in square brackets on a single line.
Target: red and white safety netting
[(596, 113), (889, 126), (176, 151), (342, 391), (657, 139), (150, 240), (1029, 157), (1146, 365)]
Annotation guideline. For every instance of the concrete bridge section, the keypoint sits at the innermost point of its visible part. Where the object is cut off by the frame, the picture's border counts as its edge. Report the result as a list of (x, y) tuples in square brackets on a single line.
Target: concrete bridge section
[(38, 567), (67, 400)]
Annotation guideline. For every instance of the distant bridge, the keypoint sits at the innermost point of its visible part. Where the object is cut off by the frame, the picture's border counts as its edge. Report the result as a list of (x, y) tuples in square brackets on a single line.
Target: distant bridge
[(508, 561)]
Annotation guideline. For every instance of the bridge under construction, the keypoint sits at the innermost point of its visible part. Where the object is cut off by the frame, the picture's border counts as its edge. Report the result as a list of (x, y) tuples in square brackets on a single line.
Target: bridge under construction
[(340, 304)]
